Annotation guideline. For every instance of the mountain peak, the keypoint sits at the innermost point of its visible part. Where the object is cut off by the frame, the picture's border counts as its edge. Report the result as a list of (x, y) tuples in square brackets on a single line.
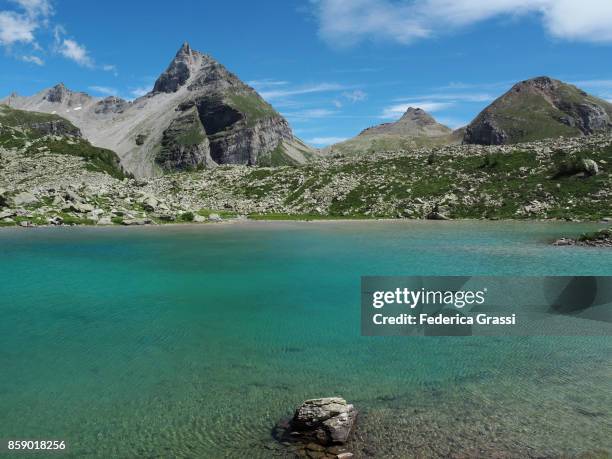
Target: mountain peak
[(194, 67), (547, 108), (57, 93), (418, 116)]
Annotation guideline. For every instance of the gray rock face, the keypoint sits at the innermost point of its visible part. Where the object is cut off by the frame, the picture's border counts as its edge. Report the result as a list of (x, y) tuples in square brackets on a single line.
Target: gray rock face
[(486, 132), (185, 145), (537, 109), (58, 127), (111, 104), (177, 73), (57, 93), (327, 421)]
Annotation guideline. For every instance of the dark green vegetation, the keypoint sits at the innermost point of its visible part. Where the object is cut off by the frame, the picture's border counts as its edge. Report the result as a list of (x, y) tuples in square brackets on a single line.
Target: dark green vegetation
[(252, 106), (598, 236), (97, 159), (34, 124), (277, 157), (36, 133)]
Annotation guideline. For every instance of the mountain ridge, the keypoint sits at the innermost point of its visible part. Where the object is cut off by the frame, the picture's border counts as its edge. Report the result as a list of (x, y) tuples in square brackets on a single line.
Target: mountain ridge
[(197, 115)]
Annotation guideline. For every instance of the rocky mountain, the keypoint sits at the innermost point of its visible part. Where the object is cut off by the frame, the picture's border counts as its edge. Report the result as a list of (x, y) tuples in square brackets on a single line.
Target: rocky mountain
[(537, 109), (415, 128), (29, 134), (198, 115)]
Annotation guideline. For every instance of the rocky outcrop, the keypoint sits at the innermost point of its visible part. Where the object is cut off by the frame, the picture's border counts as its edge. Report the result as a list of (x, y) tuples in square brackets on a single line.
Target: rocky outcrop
[(325, 421), (601, 238), (59, 127), (177, 73), (184, 144), (111, 104), (57, 93), (537, 109)]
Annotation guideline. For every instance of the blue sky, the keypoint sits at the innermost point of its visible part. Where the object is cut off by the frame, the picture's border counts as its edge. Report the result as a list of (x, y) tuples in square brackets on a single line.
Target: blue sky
[(332, 67)]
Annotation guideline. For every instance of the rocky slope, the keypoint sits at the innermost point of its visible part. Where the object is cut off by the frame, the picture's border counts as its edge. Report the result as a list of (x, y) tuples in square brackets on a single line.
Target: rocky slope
[(557, 179), (197, 115), (415, 128), (537, 109), (31, 133)]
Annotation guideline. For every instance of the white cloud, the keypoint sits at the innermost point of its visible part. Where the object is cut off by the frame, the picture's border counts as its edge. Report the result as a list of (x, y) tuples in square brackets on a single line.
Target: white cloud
[(452, 123), (325, 141), (141, 91), (396, 111), (453, 97), (104, 90), (15, 28), (309, 89), (345, 23), (33, 60), (266, 83), (311, 114), (35, 8), (600, 84), (76, 52), (355, 96), (110, 68), (19, 26)]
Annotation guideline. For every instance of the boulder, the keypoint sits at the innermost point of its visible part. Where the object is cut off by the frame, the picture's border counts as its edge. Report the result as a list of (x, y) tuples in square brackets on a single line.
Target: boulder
[(215, 218), (104, 221), (590, 167), (7, 213), (72, 196), (325, 421), (55, 220), (149, 203), (436, 216), (24, 199), (78, 207), (136, 221), (199, 219)]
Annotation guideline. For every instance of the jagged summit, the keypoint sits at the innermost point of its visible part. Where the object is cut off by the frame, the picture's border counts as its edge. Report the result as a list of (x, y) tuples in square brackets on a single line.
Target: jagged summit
[(540, 108), (57, 93), (195, 68)]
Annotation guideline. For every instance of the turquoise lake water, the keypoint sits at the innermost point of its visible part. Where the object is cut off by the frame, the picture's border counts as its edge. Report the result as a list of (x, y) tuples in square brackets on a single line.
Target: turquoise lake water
[(192, 341)]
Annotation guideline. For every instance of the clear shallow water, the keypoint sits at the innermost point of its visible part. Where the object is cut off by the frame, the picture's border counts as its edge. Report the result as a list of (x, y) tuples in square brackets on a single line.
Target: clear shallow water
[(193, 341)]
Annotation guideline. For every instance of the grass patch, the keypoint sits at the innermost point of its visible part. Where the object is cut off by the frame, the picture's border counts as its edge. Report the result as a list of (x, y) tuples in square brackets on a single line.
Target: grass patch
[(98, 159), (252, 106)]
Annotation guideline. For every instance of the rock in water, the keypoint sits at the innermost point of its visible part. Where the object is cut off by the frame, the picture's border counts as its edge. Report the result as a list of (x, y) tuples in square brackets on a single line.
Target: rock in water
[(325, 421)]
